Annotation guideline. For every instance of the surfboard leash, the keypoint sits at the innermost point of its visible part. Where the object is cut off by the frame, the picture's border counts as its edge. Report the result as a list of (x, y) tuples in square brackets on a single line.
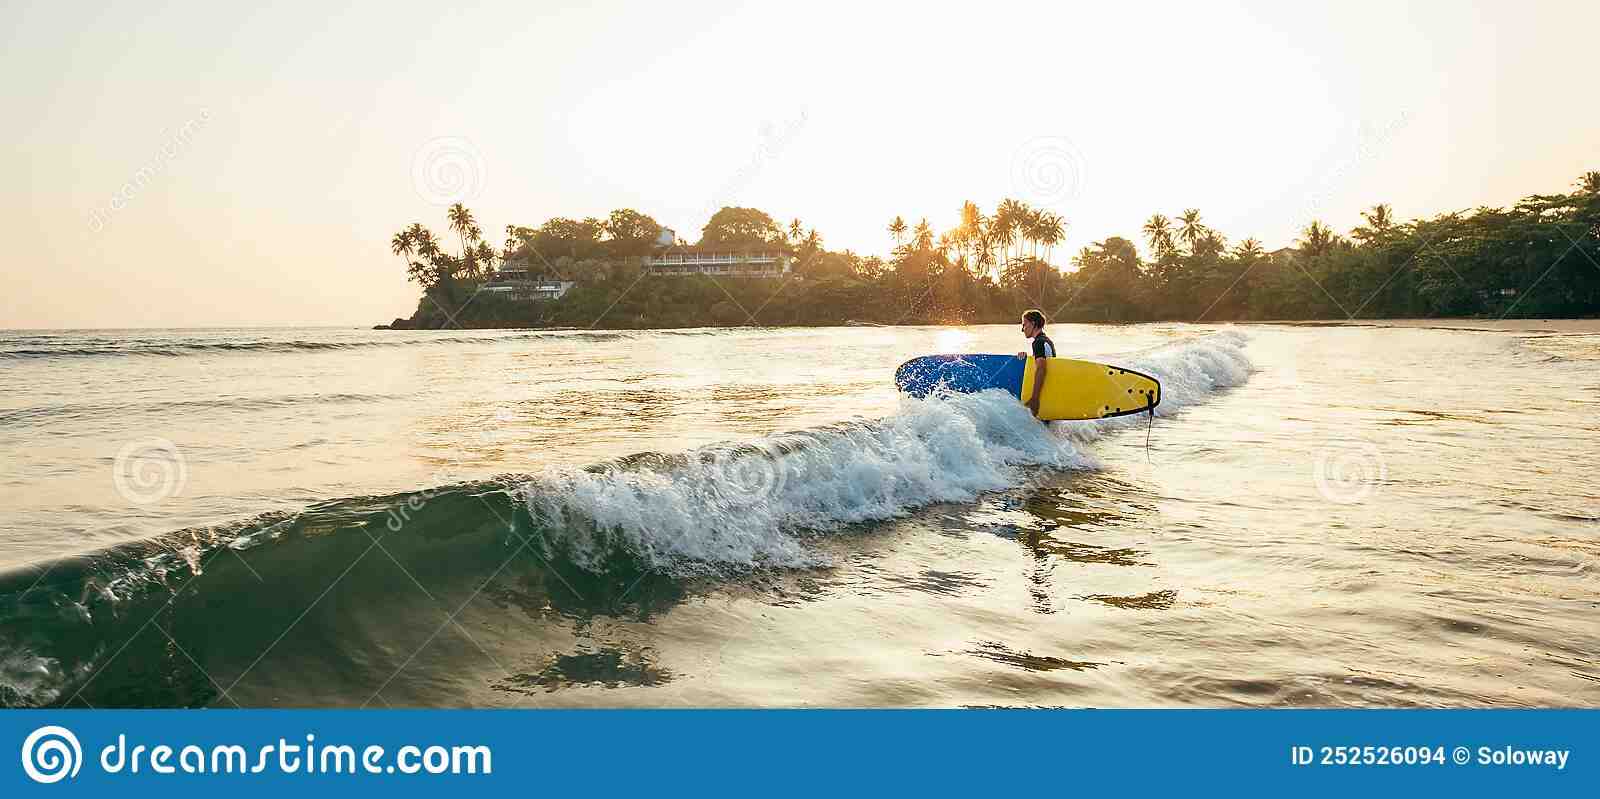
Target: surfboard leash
[(1150, 413)]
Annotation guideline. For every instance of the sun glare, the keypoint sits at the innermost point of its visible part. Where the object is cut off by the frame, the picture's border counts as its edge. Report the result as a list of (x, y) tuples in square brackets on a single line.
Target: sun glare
[(952, 340)]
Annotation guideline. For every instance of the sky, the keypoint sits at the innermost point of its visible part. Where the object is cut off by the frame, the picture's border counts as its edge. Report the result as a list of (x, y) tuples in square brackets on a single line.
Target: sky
[(211, 164)]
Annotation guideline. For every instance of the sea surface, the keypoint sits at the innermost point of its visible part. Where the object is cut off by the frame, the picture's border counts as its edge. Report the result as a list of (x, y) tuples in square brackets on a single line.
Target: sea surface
[(1315, 516)]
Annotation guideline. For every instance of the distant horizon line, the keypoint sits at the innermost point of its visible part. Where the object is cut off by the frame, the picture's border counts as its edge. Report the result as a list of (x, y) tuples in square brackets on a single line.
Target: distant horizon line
[(1303, 322)]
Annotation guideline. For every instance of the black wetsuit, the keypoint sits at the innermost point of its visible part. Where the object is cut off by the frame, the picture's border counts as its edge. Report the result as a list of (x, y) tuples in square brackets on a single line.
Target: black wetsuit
[(1043, 347)]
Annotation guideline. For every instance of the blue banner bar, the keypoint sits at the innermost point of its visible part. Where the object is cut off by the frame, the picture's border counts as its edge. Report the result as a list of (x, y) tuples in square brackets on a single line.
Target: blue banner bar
[(828, 752)]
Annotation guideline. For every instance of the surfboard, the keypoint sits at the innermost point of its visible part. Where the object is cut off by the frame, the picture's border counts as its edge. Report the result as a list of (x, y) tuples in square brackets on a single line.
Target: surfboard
[(1073, 389)]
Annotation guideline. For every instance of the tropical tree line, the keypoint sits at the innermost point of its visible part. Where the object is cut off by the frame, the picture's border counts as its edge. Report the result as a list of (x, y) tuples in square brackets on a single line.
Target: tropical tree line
[(1540, 257)]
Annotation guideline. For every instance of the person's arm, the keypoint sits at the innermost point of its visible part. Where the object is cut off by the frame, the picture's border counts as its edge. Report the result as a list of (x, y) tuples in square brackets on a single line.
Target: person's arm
[(1042, 366), (1038, 376)]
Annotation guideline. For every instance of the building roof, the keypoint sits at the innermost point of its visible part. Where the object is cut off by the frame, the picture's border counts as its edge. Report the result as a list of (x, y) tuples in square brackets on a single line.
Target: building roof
[(720, 249)]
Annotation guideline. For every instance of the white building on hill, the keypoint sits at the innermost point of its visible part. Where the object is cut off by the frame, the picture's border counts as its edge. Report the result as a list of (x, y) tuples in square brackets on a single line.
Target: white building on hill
[(720, 261), (518, 284)]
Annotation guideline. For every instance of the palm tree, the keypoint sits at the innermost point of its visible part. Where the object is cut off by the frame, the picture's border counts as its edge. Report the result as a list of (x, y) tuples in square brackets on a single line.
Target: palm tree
[(1002, 229), (1317, 239), (897, 228), (1380, 220), (461, 221), (1590, 182), (1193, 230), (402, 245), (1008, 224), (1380, 217), (1051, 231), (971, 216), (1158, 231), (795, 230), (512, 239), (1033, 229), (427, 249), (812, 243), (470, 256), (988, 241), (427, 245), (922, 237), (485, 255), (1248, 250), (970, 232)]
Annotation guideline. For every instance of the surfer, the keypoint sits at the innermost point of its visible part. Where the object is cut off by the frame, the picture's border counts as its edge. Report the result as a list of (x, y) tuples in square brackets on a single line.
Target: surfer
[(1043, 347)]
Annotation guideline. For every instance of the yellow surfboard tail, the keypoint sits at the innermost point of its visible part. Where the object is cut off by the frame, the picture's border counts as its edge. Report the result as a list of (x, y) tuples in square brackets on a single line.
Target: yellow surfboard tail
[(1079, 390)]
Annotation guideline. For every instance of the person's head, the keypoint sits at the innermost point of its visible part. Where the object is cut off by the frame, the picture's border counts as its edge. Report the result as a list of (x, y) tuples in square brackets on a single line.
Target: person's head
[(1032, 322)]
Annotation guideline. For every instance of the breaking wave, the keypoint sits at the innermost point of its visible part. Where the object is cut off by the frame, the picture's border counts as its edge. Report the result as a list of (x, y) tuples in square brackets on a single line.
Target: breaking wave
[(615, 537)]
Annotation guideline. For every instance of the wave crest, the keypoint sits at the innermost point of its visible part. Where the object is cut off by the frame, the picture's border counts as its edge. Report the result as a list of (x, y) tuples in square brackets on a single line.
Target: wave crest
[(687, 515)]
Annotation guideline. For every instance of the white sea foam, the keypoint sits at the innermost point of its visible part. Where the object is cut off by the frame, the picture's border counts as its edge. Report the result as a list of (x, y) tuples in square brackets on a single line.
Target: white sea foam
[(1190, 372), (740, 506), (33, 680)]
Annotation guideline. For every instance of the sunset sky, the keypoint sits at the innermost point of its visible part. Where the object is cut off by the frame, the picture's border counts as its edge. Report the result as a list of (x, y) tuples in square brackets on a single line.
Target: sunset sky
[(271, 152)]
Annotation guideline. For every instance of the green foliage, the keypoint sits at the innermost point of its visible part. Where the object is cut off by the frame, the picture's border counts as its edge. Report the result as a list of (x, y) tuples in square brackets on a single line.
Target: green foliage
[(1539, 258), (742, 227)]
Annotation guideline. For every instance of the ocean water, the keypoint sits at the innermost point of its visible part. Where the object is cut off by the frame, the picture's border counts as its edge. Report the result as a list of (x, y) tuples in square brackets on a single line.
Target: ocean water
[(1323, 516)]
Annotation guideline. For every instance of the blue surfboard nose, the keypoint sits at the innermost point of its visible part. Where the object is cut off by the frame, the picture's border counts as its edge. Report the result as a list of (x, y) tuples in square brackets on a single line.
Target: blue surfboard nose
[(963, 374)]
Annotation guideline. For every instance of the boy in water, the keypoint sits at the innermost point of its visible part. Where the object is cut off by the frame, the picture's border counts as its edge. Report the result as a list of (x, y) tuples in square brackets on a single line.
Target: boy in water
[(1043, 347)]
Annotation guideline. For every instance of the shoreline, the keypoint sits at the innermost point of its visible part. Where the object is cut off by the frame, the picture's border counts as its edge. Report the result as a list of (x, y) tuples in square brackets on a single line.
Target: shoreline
[(1529, 325)]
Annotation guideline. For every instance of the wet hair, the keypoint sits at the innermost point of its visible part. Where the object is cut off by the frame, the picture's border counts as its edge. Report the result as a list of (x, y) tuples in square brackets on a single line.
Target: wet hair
[(1033, 315)]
